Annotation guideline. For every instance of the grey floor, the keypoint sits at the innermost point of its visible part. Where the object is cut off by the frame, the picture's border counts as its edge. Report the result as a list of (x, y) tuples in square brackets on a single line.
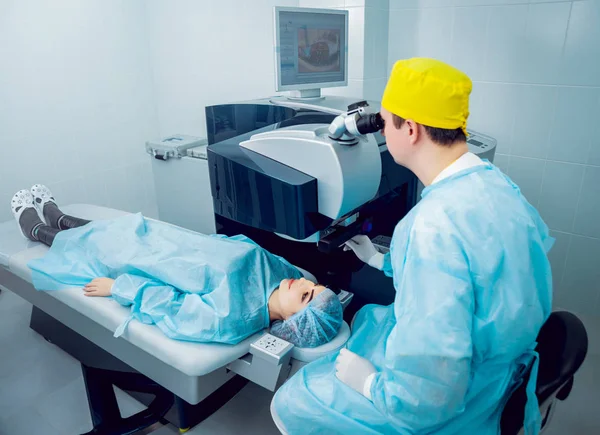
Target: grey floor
[(42, 391)]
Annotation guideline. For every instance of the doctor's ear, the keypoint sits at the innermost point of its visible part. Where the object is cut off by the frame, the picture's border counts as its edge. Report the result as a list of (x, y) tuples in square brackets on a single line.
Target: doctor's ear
[(413, 129)]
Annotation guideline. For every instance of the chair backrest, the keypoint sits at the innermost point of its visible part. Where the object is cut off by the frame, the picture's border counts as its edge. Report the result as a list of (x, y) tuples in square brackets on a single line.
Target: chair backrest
[(562, 346)]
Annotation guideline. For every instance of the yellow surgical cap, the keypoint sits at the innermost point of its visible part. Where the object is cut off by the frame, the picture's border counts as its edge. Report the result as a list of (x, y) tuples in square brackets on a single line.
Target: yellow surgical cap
[(429, 92)]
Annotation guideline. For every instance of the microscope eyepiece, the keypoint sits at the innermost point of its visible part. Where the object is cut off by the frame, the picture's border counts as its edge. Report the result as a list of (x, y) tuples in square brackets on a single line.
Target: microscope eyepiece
[(347, 127), (370, 123)]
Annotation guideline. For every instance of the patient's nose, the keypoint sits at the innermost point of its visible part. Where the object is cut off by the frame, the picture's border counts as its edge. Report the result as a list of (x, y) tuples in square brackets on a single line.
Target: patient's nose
[(307, 283)]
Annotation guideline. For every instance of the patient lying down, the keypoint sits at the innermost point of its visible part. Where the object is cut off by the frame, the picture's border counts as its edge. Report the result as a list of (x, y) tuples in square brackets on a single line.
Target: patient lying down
[(192, 286)]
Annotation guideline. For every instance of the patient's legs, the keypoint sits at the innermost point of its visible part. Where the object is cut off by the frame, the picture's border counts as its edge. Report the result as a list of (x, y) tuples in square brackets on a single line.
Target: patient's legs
[(28, 219), (29, 207), (45, 203), (44, 233), (57, 219)]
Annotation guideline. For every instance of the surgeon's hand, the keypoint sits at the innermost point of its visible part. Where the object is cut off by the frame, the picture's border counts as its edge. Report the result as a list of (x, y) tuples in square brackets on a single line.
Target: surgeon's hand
[(99, 287), (365, 250), (355, 371)]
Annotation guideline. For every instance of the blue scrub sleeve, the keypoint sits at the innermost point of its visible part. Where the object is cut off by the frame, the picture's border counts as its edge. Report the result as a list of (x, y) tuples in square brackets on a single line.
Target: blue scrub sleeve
[(425, 374), (387, 265), (151, 301), (179, 315), (133, 290), (127, 287)]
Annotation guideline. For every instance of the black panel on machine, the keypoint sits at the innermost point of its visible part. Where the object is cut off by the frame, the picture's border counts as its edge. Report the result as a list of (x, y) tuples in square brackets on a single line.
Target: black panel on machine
[(252, 189)]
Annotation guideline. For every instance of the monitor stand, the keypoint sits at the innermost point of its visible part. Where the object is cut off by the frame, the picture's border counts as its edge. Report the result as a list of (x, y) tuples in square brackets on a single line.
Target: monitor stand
[(306, 94)]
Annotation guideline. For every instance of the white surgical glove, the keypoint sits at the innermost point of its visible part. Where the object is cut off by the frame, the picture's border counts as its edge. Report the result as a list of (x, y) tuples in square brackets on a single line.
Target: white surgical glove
[(355, 371), (365, 250)]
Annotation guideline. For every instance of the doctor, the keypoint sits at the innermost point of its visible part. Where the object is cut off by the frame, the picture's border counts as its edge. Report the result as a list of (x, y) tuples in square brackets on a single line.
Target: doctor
[(473, 287)]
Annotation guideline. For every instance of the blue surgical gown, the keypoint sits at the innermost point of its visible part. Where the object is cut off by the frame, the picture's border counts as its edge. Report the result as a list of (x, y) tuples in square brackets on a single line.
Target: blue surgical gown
[(192, 286), (473, 288)]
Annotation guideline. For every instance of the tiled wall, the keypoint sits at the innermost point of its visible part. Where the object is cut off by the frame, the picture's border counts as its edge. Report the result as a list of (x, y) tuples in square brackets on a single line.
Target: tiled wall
[(367, 46), (76, 102), (536, 72)]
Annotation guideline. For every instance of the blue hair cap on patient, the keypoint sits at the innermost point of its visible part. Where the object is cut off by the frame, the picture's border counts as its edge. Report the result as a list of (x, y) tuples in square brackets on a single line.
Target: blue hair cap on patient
[(315, 325)]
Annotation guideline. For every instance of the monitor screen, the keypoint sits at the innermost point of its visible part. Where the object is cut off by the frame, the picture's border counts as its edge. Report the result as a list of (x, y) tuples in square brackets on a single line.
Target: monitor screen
[(311, 48)]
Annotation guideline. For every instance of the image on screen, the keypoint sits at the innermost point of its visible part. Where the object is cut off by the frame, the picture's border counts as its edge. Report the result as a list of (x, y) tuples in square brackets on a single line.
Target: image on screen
[(318, 50), (311, 47)]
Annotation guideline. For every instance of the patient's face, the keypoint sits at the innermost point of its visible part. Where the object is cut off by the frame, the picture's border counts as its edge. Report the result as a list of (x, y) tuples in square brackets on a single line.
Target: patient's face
[(295, 294)]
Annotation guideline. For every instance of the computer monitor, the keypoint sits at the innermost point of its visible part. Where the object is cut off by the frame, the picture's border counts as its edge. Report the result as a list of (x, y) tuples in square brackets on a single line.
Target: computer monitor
[(311, 50)]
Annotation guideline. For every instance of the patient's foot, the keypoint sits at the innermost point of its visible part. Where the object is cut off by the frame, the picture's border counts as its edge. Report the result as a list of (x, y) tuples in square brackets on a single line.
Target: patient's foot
[(25, 213), (45, 205)]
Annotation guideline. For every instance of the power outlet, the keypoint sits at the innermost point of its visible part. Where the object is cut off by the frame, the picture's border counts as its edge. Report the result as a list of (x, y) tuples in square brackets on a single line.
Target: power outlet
[(270, 347)]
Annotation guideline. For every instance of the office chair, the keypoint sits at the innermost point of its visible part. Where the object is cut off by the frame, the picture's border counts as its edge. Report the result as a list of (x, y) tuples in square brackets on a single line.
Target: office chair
[(562, 347)]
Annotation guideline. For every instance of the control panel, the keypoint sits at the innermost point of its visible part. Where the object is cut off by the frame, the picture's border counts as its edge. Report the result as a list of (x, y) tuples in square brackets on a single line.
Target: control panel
[(482, 145), (345, 298), (382, 243), (271, 348)]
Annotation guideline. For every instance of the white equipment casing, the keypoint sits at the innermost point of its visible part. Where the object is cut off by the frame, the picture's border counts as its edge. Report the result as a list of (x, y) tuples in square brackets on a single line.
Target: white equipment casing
[(348, 175)]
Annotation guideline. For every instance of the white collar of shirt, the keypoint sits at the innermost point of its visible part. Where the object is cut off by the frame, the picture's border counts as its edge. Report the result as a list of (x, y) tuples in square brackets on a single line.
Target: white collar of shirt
[(466, 161)]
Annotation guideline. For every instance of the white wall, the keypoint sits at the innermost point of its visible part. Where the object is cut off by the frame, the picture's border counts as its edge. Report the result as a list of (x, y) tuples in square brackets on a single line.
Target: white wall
[(84, 84), (536, 71), (76, 101), (209, 52)]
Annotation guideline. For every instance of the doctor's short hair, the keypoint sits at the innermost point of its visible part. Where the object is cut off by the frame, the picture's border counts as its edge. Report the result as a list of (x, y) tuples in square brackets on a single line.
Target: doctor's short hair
[(440, 136)]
